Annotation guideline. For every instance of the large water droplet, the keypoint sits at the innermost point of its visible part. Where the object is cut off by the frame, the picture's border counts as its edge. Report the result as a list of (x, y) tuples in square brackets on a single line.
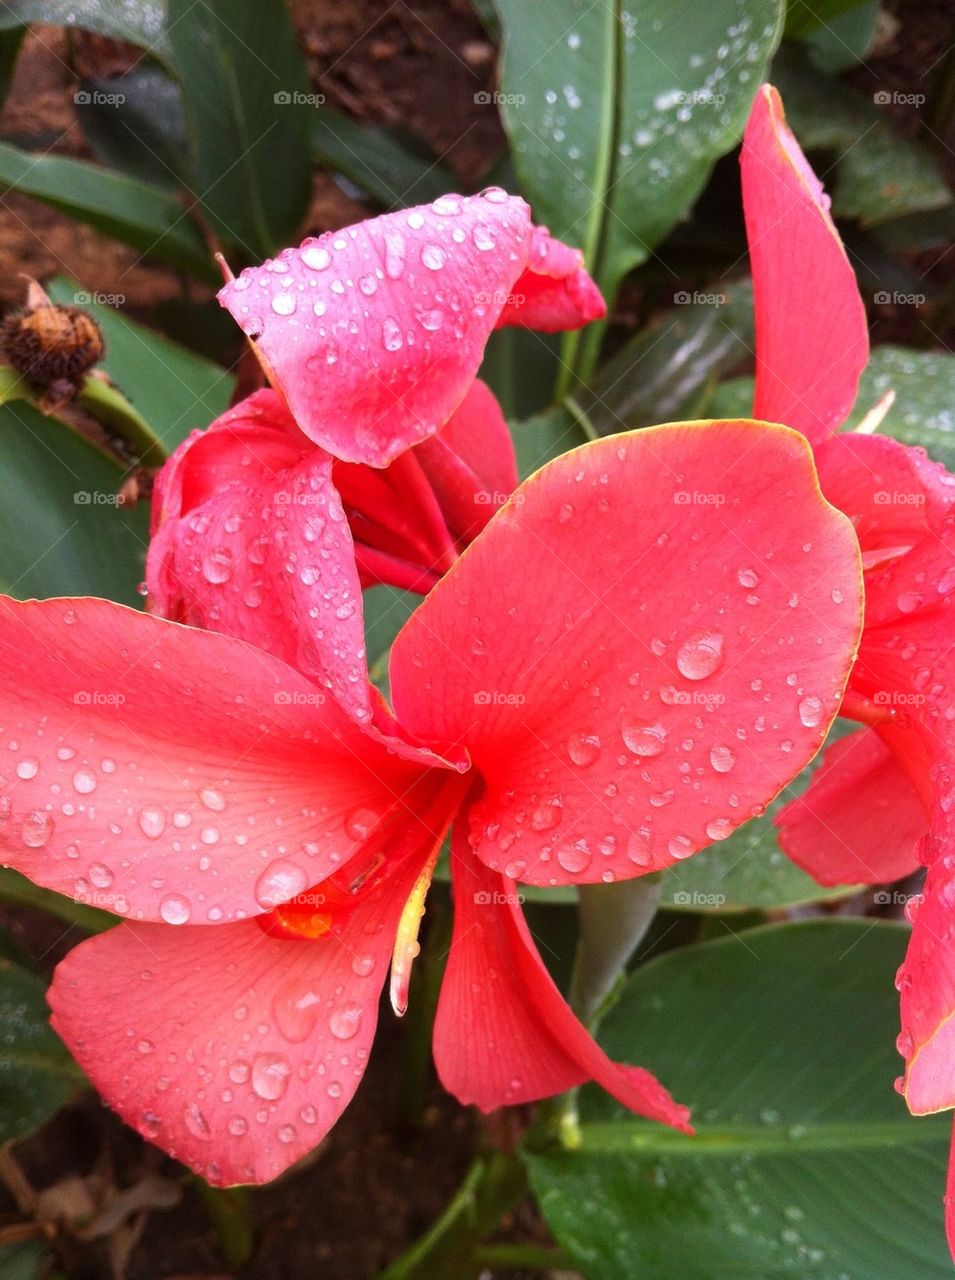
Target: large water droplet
[(175, 909), (574, 857), (152, 821), (680, 847), (28, 769), (583, 749), (270, 1075), (36, 830), (644, 738), (296, 1012), (196, 1122), (700, 655), (84, 781), (316, 257), (433, 257), (217, 565), (722, 758), (810, 711), (344, 1022)]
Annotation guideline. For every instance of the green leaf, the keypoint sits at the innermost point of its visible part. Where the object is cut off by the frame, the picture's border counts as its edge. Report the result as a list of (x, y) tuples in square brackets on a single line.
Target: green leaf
[(394, 170), (137, 213), (18, 891), (806, 1163), (61, 532), (144, 134), (142, 23), (37, 1075), (173, 389), (845, 41), (748, 870), (246, 92), (878, 175), (803, 18), (924, 408), (616, 116), (614, 919), (386, 609), (25, 1261)]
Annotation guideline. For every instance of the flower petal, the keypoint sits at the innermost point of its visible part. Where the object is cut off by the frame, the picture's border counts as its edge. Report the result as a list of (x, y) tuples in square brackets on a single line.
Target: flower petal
[(374, 333), (503, 1032), (639, 650), (811, 337), (251, 540), (859, 821), (233, 1051), (555, 292), (172, 774)]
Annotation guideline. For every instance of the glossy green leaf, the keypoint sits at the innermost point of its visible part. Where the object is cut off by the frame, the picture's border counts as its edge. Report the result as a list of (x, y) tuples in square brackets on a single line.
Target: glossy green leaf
[(141, 22), (393, 170), (615, 128), (172, 388), (37, 1074), (61, 532), (143, 134), (924, 408), (877, 174), (249, 107), (135, 212), (806, 1162)]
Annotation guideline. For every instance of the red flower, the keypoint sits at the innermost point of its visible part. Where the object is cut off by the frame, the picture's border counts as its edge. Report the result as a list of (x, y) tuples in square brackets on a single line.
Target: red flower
[(884, 799), (595, 689)]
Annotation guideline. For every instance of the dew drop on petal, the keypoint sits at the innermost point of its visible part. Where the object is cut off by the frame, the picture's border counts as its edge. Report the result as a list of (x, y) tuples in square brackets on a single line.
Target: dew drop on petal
[(152, 821), (175, 909), (722, 758), (270, 1075), (644, 738), (345, 1022), (700, 655), (811, 711)]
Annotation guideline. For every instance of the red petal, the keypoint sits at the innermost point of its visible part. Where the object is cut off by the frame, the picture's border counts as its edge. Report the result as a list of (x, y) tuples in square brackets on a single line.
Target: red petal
[(233, 1051), (859, 821), (503, 1032), (251, 539), (174, 774), (640, 650), (375, 332), (811, 336), (555, 292)]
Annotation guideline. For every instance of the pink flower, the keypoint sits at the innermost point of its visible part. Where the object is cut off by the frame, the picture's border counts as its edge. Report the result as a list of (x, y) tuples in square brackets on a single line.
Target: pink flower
[(374, 334), (884, 798), (593, 691)]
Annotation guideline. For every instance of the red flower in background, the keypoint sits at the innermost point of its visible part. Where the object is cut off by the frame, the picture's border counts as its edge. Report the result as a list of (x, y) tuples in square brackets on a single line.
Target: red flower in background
[(594, 690), (884, 799)]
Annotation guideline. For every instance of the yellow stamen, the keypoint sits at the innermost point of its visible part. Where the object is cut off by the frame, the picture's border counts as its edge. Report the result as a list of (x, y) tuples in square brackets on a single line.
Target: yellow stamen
[(407, 946)]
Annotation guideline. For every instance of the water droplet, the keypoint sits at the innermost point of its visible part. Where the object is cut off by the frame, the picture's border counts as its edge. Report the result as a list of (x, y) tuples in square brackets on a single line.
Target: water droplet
[(394, 254), (84, 782), (28, 769), (574, 857), (638, 850), (545, 817), (811, 711), (680, 847), (345, 1022), (296, 1012), (362, 966), (286, 1133), (644, 738), (722, 758), (237, 1126), (391, 334), (175, 909), (100, 875), (700, 655), (433, 257), (583, 749), (37, 829), (270, 1075), (152, 821), (316, 257), (747, 577), (196, 1122), (483, 237), (279, 882), (214, 800), (217, 565), (718, 828)]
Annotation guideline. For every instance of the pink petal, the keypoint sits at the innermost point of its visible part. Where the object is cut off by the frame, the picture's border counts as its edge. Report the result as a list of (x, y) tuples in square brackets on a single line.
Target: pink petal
[(374, 333), (172, 774), (811, 336), (927, 988), (233, 1051), (640, 650), (503, 1032), (859, 821), (250, 539), (555, 292), (470, 463)]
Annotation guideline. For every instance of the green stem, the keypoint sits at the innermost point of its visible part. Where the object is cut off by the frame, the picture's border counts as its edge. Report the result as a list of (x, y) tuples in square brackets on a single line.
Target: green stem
[(419, 1020), (108, 404), (229, 1210), (494, 1185), (583, 421)]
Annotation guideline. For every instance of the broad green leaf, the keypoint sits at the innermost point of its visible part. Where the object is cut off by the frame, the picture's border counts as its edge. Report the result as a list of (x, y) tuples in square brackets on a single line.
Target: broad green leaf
[(924, 408), (386, 609), (137, 213), (173, 389), (803, 18), (845, 40), (394, 170), (806, 1162), (18, 891), (749, 870), (616, 116), (248, 103), (878, 174), (37, 1075), (144, 133), (61, 531), (141, 22)]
